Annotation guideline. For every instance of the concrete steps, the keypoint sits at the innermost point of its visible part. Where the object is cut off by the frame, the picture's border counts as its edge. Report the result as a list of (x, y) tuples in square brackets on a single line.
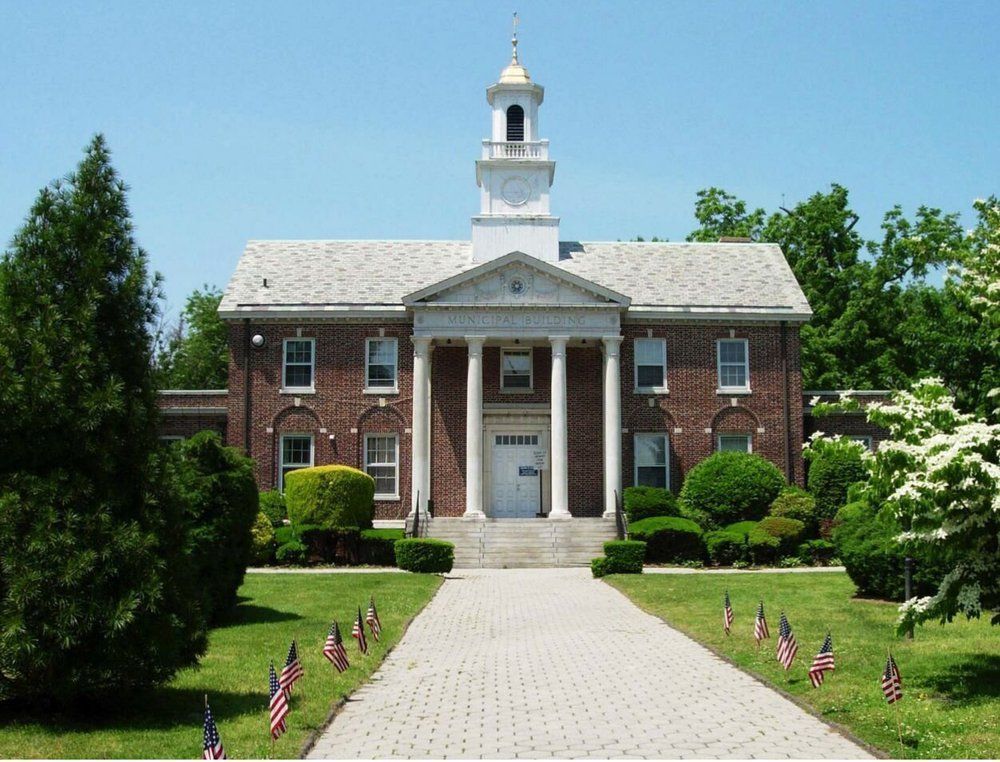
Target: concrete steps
[(521, 543)]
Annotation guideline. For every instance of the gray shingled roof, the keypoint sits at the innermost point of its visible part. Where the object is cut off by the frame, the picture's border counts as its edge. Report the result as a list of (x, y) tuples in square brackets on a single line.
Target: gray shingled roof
[(726, 277)]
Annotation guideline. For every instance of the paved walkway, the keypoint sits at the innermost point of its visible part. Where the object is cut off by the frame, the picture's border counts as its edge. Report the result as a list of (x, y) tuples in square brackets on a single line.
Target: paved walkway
[(551, 663)]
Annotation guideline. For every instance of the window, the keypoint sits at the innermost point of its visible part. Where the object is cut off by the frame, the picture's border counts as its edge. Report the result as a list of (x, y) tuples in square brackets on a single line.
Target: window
[(734, 365), (170, 439), (381, 463), (864, 440), (380, 365), (734, 443), (516, 440), (296, 452), (650, 364), (651, 460), (515, 124), (299, 364), (515, 369)]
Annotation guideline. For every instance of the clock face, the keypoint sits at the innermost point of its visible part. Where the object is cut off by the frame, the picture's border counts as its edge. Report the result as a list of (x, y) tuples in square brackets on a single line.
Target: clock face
[(515, 191)]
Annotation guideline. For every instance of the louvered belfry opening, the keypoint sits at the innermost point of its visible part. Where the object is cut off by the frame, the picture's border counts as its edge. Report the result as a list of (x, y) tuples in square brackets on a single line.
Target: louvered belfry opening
[(515, 124)]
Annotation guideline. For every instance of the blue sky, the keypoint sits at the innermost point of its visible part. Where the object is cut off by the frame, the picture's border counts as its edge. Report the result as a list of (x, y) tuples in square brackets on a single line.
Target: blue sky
[(233, 121)]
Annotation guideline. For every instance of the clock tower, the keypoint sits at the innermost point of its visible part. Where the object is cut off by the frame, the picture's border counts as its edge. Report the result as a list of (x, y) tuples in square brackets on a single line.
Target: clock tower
[(515, 173)]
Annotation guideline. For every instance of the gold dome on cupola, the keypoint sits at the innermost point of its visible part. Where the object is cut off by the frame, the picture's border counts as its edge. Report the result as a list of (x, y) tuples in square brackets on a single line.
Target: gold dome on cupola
[(515, 73)]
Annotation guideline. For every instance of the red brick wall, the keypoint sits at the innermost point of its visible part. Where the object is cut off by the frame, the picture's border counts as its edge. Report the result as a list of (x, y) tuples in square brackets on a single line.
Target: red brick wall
[(845, 424), (183, 414)]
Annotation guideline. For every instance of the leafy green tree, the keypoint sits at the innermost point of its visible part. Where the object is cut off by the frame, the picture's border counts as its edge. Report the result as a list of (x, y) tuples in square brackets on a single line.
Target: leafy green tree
[(721, 214), (196, 354), (97, 594)]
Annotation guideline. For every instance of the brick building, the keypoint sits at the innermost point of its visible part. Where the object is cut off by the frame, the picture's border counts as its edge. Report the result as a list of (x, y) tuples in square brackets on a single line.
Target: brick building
[(511, 375)]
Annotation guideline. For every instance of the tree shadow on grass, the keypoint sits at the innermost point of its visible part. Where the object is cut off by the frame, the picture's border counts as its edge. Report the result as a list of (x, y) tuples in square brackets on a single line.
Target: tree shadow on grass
[(976, 678), (249, 613)]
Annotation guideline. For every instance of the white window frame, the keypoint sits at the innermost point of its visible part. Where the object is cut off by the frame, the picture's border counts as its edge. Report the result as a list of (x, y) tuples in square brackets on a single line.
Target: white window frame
[(394, 389), (531, 370), (864, 439), (312, 366), (366, 464), (635, 455), (732, 434), (281, 455), (745, 389), (170, 438), (660, 388)]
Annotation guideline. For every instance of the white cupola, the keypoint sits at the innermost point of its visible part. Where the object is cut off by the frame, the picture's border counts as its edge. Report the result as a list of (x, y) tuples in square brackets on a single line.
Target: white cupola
[(514, 173)]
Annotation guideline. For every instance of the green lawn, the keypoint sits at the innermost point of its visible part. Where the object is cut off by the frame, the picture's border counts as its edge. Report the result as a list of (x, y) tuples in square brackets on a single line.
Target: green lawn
[(274, 608), (951, 674)]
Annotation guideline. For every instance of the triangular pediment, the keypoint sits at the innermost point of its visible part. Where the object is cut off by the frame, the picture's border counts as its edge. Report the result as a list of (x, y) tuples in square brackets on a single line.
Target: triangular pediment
[(516, 279)]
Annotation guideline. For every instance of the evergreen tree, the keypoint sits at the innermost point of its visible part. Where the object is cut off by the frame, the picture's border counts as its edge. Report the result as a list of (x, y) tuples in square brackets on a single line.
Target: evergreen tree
[(96, 589)]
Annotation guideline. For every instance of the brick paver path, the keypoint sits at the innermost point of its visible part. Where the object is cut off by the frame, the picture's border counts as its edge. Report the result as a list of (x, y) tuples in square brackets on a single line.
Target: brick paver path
[(552, 663)]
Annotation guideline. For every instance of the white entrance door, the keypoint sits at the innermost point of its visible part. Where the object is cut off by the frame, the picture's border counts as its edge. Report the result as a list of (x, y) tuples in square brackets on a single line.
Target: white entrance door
[(516, 482)]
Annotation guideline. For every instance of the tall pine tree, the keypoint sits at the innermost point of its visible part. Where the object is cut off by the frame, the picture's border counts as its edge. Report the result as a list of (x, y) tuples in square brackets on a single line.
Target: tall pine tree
[(96, 594)]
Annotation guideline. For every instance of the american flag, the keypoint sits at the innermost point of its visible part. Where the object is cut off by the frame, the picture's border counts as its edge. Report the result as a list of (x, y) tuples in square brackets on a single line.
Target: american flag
[(727, 615), (760, 625), (292, 670), (213, 744), (372, 619), (892, 684), (822, 662), (279, 705), (787, 647), (358, 632), (334, 649)]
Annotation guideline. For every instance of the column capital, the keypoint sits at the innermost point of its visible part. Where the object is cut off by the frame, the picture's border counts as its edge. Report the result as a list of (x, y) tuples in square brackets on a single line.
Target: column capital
[(422, 345), (558, 344), (475, 342), (612, 345)]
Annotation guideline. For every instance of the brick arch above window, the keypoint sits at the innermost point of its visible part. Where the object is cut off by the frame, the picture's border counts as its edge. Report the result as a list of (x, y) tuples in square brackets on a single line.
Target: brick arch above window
[(736, 418), (650, 419), (389, 416), (293, 416)]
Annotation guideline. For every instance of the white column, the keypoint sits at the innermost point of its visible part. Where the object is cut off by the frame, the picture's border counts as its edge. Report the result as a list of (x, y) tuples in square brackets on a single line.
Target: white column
[(474, 430), (420, 438), (559, 436), (612, 424)]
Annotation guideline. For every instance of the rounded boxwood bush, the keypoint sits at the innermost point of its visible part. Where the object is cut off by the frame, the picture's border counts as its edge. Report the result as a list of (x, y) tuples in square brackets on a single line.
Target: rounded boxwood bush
[(261, 541), (668, 538), (832, 469), (642, 502), (730, 486), (763, 547), (330, 497), (796, 503), (425, 555), (788, 531), (272, 505), (725, 547), (624, 556)]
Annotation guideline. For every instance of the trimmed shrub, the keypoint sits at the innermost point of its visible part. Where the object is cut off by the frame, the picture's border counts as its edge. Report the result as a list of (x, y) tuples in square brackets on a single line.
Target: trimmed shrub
[(291, 549), (272, 505), (866, 544), (642, 502), (817, 552), (330, 497), (796, 503), (764, 548), (668, 538), (378, 546), (725, 547), (699, 517), (598, 566), (742, 528), (788, 531), (833, 467), (425, 555), (218, 485), (262, 541), (729, 486), (625, 556)]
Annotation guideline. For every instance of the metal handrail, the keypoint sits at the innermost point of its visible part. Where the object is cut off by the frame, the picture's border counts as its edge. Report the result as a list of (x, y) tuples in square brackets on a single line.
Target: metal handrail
[(620, 518), (415, 530)]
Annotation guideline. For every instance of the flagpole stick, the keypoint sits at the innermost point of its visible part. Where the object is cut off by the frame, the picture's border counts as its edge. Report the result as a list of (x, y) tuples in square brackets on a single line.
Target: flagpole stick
[(899, 725)]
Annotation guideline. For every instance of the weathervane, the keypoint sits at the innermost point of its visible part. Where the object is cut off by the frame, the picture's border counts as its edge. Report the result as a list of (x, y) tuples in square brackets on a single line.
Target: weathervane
[(513, 40)]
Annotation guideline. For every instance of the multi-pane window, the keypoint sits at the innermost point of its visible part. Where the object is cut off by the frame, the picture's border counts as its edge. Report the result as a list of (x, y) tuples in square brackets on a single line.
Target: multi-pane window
[(296, 452), (382, 464), (650, 363), (864, 440), (380, 365), (733, 443), (734, 364), (515, 439), (651, 460), (515, 369), (299, 363)]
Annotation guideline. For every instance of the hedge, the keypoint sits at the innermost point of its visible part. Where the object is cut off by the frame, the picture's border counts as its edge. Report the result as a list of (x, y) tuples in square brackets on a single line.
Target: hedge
[(272, 505), (425, 555), (668, 538), (831, 471), (378, 546), (796, 503), (643, 502), (330, 497), (729, 486), (725, 547)]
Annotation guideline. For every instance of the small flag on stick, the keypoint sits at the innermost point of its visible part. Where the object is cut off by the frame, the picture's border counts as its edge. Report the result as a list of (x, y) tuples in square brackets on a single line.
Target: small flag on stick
[(213, 744), (760, 625), (823, 662), (358, 631), (372, 619), (892, 684), (292, 670), (727, 615), (334, 649), (787, 647), (279, 705)]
